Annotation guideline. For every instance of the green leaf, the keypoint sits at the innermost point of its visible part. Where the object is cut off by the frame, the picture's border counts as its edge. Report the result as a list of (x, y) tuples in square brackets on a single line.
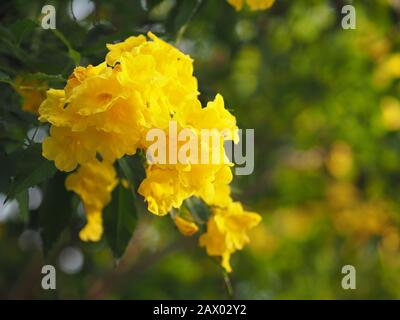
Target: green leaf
[(55, 213), (32, 169), (5, 78), (120, 219), (186, 12), (128, 173), (73, 54), (132, 169), (9, 46), (23, 203), (22, 28), (40, 76)]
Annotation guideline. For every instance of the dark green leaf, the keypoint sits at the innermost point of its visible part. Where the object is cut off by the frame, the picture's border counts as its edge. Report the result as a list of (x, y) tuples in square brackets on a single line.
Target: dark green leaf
[(186, 12), (23, 203), (22, 28), (132, 168), (73, 54), (55, 212), (32, 169), (40, 76), (5, 78), (120, 219)]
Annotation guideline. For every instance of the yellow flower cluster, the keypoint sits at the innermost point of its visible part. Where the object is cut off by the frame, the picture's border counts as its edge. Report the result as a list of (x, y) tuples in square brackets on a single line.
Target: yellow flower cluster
[(105, 112), (253, 4)]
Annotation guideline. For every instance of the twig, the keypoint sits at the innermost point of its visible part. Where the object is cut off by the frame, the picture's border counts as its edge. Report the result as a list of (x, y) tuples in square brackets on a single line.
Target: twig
[(183, 28)]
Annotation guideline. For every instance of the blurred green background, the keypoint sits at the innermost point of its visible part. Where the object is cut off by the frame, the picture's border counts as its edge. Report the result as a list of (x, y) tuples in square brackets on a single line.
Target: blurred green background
[(324, 105)]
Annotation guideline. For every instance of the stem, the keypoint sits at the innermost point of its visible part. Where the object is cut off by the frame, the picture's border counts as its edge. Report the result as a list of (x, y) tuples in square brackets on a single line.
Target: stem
[(228, 285), (183, 28)]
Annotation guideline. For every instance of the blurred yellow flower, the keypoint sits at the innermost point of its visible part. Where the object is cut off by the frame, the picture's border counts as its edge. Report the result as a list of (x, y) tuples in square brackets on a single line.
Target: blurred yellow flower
[(264, 240), (363, 220), (341, 194), (391, 240), (387, 70), (33, 93), (340, 160), (253, 4), (187, 228), (293, 223), (390, 107)]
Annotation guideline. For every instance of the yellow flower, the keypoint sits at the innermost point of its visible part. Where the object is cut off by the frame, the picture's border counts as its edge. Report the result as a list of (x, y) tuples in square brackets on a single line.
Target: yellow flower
[(387, 70), (52, 109), (215, 116), (391, 113), (162, 190), (260, 4), (67, 148), (93, 229), (237, 4), (340, 160), (215, 190), (187, 228), (93, 182), (167, 88), (227, 231), (253, 4), (115, 50), (32, 92), (167, 186), (94, 114)]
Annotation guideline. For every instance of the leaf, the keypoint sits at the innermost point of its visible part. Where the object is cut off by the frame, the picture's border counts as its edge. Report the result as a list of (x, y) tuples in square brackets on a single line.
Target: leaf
[(22, 28), (73, 54), (127, 172), (98, 32), (55, 213), (120, 219), (8, 170), (186, 12), (5, 78), (40, 76), (32, 169), (10, 47), (132, 169), (23, 203)]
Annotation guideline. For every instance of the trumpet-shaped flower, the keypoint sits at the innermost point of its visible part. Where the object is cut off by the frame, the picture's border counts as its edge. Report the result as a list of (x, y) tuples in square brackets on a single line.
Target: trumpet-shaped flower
[(93, 182), (227, 231)]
